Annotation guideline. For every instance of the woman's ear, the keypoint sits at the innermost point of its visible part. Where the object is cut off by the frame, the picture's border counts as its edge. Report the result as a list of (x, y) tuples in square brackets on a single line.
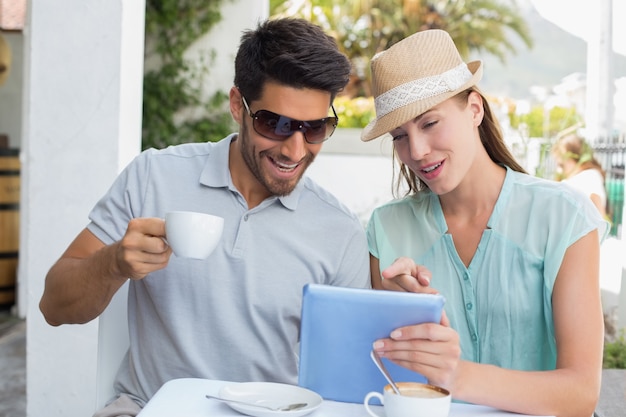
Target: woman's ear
[(475, 103)]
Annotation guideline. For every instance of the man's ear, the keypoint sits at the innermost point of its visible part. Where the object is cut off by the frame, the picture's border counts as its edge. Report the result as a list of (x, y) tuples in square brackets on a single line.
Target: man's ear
[(236, 104)]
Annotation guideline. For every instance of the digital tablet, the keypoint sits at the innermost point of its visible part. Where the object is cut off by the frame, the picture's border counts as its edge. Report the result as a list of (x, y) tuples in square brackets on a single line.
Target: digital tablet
[(339, 326)]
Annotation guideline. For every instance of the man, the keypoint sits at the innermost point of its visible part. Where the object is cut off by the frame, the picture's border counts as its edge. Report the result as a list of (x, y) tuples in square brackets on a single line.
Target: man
[(234, 316)]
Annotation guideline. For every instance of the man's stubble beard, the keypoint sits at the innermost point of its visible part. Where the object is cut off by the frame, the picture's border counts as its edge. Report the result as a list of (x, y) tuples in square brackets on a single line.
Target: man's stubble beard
[(275, 187)]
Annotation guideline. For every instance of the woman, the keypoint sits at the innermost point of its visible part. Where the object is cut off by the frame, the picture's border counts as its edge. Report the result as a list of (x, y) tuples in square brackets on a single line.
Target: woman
[(579, 168), (515, 256)]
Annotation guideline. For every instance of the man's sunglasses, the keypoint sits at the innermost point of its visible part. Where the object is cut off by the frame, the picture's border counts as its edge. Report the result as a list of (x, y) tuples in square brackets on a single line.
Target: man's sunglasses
[(277, 127)]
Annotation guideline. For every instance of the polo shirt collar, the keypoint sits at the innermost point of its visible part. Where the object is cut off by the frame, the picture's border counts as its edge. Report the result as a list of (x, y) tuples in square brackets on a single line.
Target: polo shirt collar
[(216, 173)]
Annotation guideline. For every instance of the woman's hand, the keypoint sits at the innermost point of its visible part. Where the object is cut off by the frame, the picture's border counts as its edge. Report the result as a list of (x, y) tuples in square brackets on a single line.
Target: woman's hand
[(430, 349), (405, 275)]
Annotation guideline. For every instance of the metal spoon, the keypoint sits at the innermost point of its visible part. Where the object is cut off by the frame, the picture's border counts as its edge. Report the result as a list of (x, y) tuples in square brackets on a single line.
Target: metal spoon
[(383, 370), (287, 407)]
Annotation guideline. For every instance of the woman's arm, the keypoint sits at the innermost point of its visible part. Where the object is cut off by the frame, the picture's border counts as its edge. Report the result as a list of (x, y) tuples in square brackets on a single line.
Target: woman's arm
[(571, 390)]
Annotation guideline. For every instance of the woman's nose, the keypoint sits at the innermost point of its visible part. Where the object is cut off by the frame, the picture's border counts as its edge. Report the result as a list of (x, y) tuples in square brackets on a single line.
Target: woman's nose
[(418, 147)]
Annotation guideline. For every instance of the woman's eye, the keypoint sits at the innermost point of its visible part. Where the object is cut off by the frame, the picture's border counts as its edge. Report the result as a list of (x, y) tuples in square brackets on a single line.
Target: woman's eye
[(428, 125), (399, 136)]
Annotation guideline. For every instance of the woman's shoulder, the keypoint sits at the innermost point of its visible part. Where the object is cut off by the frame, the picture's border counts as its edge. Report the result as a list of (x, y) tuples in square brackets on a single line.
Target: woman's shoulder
[(549, 197), (541, 187), (528, 192), (540, 203)]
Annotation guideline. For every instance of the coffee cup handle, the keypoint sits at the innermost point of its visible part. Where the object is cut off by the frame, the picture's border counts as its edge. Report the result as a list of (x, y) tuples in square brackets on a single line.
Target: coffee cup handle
[(366, 402)]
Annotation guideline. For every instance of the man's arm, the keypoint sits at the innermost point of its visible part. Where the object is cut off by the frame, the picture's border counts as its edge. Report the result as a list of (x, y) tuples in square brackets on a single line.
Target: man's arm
[(82, 282)]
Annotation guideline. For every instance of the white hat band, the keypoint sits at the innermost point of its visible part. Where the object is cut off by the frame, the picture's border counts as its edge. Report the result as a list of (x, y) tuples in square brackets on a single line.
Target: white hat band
[(420, 89)]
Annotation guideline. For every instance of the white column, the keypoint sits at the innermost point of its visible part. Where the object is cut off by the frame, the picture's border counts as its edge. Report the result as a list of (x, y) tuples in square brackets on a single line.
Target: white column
[(82, 125), (600, 81), (82, 119), (621, 303)]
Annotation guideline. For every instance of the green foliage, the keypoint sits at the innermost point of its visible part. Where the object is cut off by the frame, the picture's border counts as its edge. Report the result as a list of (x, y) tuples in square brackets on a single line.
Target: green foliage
[(363, 28), (171, 93), (615, 353), (546, 124), (356, 112)]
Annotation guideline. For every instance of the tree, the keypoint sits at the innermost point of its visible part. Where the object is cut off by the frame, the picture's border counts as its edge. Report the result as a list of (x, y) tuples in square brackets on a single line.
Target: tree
[(546, 123), (365, 27)]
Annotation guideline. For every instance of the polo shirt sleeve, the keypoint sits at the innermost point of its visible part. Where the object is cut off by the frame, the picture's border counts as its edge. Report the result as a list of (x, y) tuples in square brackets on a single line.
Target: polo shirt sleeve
[(122, 202), (354, 269)]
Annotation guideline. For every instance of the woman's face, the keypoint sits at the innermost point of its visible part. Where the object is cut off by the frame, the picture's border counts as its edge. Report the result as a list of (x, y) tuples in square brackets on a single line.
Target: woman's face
[(441, 145)]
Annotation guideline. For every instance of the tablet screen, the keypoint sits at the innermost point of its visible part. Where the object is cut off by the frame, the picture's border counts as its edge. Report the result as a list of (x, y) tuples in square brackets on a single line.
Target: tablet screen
[(339, 326)]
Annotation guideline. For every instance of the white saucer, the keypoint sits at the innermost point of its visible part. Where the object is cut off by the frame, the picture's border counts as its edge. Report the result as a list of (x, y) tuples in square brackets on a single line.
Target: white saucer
[(271, 394)]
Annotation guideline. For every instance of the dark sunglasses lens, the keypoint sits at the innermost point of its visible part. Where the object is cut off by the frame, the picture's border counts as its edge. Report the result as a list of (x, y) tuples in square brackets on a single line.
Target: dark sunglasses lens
[(276, 127), (316, 130), (272, 125)]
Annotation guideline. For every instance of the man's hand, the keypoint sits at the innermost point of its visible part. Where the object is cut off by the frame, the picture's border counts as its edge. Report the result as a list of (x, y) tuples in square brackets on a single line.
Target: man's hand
[(142, 249)]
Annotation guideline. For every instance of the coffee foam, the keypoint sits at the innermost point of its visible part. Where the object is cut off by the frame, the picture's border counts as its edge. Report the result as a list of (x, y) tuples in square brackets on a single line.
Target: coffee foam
[(415, 389), (422, 392)]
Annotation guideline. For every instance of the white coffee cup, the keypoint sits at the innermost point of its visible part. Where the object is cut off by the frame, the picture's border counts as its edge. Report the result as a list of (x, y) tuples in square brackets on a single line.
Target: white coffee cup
[(191, 234), (416, 400)]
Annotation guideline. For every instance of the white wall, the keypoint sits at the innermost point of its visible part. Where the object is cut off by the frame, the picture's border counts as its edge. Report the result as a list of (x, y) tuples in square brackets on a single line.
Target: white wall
[(82, 119), (358, 173), (11, 91), (362, 182), (82, 125), (223, 40)]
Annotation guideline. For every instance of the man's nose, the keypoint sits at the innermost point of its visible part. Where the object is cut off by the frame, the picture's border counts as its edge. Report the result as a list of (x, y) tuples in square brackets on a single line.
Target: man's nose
[(294, 147)]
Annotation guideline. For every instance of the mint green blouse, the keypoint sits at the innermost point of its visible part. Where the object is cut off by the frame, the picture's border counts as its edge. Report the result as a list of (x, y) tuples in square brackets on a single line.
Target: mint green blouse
[(501, 305)]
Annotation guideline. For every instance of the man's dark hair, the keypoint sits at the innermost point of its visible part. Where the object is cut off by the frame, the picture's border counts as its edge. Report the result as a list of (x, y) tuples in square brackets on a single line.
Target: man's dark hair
[(291, 52)]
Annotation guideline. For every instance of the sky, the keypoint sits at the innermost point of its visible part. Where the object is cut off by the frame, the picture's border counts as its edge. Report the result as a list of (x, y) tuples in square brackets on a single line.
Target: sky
[(573, 16)]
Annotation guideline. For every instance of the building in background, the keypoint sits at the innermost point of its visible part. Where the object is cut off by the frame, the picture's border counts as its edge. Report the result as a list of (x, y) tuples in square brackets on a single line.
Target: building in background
[(600, 26), (12, 17)]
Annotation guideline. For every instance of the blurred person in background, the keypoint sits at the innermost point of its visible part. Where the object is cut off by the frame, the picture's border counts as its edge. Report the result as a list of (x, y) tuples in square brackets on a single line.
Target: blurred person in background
[(577, 166)]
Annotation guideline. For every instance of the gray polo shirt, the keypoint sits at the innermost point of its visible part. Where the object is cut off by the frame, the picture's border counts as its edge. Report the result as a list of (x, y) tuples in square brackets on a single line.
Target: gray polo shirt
[(236, 315)]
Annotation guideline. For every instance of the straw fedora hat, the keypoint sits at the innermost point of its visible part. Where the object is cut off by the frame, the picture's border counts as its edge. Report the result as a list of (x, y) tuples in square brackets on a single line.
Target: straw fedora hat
[(414, 75)]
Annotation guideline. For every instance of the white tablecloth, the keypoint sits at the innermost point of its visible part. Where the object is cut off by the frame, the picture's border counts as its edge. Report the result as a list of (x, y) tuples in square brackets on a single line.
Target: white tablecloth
[(186, 397)]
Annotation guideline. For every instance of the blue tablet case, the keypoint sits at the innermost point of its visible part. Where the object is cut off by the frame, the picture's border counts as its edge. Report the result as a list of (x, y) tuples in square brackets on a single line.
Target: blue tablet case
[(339, 326)]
